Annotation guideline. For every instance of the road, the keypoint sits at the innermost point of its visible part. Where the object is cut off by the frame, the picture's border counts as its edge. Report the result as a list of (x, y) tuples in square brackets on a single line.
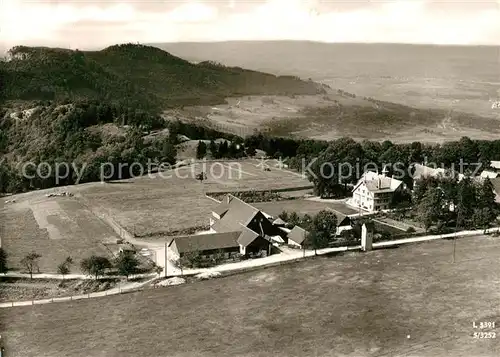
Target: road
[(289, 255)]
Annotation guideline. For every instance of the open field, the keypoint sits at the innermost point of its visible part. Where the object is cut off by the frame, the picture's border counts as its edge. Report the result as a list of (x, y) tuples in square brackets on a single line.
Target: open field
[(320, 307), (53, 228), (24, 289), (172, 201), (160, 205), (332, 116), (301, 206), (465, 77)]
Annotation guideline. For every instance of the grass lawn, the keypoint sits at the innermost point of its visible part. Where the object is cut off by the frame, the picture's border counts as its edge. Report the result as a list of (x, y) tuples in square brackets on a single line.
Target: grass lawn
[(301, 206), (70, 230), (342, 208), (352, 305), (298, 205), (171, 202)]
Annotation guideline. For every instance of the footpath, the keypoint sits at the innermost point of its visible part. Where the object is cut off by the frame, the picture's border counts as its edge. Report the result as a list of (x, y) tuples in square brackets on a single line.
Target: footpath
[(247, 265)]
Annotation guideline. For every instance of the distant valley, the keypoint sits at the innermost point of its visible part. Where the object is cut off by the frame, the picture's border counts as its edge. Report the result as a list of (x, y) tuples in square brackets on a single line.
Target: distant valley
[(458, 83)]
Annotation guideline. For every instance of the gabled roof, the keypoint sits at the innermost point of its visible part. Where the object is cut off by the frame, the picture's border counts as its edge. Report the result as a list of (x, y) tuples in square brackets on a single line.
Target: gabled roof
[(203, 242), (496, 186), (422, 171), (340, 217), (239, 213), (378, 183), (489, 174), (247, 236), (279, 222), (221, 209), (495, 164), (298, 235)]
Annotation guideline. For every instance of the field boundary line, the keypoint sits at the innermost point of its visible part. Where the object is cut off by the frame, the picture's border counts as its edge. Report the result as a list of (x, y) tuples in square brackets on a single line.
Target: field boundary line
[(239, 170), (114, 291), (389, 225), (213, 199)]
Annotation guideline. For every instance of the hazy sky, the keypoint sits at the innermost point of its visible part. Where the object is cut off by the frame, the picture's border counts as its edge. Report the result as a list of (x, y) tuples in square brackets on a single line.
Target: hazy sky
[(84, 24)]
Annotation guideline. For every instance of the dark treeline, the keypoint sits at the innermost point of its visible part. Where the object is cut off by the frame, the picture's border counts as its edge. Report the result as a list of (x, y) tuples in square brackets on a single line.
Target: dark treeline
[(445, 203), (349, 158), (73, 135)]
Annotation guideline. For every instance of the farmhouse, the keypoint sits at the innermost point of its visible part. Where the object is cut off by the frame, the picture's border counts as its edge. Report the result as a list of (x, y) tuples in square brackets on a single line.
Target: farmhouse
[(422, 171), (375, 192), (256, 232)]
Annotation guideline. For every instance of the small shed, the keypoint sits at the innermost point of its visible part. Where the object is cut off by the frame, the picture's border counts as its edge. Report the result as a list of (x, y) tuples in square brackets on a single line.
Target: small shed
[(297, 236)]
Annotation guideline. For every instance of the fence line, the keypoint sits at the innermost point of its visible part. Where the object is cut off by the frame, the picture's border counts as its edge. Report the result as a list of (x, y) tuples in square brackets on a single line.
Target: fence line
[(114, 291), (275, 190)]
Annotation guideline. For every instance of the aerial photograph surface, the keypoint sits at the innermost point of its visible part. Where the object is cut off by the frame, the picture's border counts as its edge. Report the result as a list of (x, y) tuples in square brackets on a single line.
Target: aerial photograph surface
[(249, 178)]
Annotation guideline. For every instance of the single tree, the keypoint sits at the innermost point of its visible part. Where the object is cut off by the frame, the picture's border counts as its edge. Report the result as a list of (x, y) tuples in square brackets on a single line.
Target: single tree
[(466, 202), (64, 267), (126, 263), (223, 149), (3, 261), (212, 147), (325, 222), (317, 240), (486, 195), (293, 219), (483, 217), (30, 262), (430, 208), (158, 269), (284, 216), (95, 265), (201, 150), (250, 151)]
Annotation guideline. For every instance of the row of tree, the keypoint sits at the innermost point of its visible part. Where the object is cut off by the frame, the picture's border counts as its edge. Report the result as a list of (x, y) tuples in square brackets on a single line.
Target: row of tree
[(125, 264), (223, 150), (445, 201)]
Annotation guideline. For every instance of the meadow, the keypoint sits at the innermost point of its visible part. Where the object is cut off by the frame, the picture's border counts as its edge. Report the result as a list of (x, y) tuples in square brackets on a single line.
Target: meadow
[(409, 301), (167, 203), (302, 206), (55, 229), (171, 202)]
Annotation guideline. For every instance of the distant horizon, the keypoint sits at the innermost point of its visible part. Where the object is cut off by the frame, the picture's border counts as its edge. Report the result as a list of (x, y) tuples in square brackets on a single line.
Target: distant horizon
[(99, 23), (153, 44)]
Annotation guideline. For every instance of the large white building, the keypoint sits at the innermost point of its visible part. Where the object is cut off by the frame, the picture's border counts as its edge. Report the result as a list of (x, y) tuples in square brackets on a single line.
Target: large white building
[(374, 192)]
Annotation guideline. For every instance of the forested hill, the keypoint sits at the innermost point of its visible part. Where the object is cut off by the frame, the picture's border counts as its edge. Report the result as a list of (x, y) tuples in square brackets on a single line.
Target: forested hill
[(136, 74)]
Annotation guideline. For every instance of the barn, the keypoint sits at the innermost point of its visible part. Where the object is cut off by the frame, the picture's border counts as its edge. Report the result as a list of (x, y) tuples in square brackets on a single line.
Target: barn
[(206, 244)]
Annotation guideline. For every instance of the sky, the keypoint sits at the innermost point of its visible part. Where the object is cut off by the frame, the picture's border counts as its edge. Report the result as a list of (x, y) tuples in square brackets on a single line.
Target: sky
[(96, 24)]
